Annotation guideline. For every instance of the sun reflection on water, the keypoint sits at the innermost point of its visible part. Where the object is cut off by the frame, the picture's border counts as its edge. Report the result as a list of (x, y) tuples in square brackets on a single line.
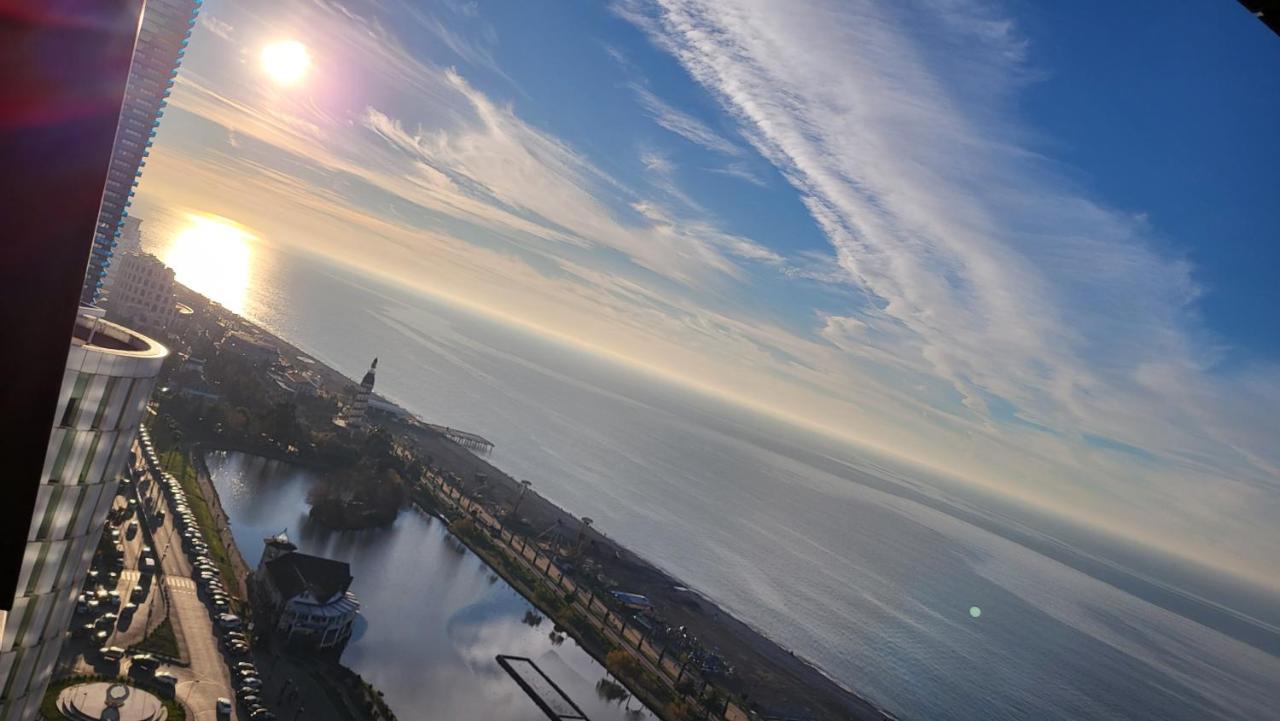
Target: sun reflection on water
[(212, 255)]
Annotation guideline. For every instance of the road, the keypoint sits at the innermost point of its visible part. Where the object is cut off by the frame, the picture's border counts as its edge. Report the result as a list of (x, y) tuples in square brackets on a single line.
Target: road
[(206, 678)]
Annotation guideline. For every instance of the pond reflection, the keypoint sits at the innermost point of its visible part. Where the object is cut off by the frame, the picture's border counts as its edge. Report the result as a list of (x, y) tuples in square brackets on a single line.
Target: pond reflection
[(433, 615)]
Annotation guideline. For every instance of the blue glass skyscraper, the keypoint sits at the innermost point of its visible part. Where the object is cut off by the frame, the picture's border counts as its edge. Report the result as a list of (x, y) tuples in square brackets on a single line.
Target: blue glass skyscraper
[(162, 41)]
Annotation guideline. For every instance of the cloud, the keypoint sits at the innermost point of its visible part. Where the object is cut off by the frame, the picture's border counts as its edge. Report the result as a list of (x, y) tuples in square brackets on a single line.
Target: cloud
[(476, 47), (974, 312), (425, 134), (740, 171), (684, 124), (978, 263), (217, 27)]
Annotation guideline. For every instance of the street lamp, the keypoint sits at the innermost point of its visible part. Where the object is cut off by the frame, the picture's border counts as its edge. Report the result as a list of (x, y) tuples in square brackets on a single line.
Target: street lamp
[(582, 533)]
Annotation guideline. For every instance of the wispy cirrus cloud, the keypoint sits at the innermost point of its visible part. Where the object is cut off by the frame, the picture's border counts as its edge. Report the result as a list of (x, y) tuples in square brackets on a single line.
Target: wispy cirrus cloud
[(423, 133), (684, 124), (217, 27), (980, 266)]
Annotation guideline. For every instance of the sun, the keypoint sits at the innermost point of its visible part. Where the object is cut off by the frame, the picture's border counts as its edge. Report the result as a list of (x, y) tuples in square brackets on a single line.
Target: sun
[(286, 62)]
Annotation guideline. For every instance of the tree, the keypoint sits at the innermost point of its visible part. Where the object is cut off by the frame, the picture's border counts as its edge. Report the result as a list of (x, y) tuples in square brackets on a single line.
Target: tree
[(281, 423), (524, 488)]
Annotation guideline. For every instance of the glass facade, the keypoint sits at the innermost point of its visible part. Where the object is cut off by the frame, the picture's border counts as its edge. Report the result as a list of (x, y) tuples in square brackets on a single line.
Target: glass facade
[(162, 41), (104, 395)]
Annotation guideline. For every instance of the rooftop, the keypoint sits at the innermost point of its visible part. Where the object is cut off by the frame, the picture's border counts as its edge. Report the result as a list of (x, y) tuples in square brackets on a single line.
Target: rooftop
[(297, 573), (104, 336)]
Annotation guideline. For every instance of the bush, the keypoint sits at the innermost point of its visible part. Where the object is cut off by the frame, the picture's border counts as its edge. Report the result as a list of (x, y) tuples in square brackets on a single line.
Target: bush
[(622, 664), (679, 710)]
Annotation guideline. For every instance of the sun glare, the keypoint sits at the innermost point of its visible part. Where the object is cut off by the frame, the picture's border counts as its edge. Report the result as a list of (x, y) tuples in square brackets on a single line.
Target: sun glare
[(286, 62), (211, 255)]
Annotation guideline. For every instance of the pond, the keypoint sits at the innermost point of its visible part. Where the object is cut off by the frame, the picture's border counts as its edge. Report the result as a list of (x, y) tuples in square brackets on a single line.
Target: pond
[(433, 615)]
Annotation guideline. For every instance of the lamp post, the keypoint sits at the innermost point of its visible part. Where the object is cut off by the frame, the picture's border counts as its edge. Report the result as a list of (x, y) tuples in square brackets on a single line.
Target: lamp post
[(582, 532)]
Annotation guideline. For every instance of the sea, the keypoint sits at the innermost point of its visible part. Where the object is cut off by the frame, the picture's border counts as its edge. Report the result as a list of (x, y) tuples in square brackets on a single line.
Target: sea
[(931, 598)]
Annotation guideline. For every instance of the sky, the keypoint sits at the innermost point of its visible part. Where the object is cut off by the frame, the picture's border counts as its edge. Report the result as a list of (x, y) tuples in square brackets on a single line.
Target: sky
[(1027, 245)]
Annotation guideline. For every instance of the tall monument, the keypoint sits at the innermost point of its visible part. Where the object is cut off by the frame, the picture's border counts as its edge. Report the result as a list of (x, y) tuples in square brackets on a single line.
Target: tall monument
[(360, 407)]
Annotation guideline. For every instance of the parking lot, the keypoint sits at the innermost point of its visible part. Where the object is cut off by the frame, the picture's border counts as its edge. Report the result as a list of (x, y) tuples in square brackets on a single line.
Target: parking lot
[(153, 564)]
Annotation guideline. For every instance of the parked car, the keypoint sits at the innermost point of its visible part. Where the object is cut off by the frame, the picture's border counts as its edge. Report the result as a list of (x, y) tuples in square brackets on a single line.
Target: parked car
[(229, 620), (167, 681), (223, 708), (252, 682), (144, 662)]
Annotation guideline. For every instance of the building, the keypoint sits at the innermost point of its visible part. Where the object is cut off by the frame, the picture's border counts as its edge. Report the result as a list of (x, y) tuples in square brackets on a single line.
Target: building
[(255, 349), (130, 240), (307, 595), (142, 292), (110, 372), (358, 411), (161, 43)]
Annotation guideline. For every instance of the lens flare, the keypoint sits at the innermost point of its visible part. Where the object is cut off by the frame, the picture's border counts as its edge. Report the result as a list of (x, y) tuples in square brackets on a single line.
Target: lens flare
[(286, 62)]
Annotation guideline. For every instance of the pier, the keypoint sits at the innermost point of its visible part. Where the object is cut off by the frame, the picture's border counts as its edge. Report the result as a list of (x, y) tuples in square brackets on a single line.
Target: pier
[(470, 441)]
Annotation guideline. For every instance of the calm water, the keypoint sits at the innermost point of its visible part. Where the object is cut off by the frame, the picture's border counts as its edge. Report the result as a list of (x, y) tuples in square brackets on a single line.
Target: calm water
[(868, 571), (434, 616)]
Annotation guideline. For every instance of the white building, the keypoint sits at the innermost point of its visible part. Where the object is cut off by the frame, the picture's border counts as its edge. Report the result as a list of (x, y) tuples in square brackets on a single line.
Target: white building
[(142, 292), (308, 595), (109, 376)]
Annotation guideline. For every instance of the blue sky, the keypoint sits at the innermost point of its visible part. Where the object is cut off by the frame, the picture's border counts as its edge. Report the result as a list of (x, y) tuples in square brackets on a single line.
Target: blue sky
[(1029, 245)]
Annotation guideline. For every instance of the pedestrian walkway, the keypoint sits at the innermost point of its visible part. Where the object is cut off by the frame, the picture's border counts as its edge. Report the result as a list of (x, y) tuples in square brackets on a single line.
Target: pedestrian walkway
[(179, 583)]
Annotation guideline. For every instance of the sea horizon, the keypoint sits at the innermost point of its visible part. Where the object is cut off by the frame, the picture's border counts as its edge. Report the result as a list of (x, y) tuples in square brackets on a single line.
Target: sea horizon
[(429, 365)]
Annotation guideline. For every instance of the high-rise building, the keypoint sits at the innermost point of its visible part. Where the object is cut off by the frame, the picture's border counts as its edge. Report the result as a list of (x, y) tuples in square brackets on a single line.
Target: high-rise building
[(142, 292), (162, 41), (109, 376)]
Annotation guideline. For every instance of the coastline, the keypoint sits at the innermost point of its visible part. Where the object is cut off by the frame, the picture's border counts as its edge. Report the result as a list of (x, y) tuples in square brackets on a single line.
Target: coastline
[(759, 674)]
